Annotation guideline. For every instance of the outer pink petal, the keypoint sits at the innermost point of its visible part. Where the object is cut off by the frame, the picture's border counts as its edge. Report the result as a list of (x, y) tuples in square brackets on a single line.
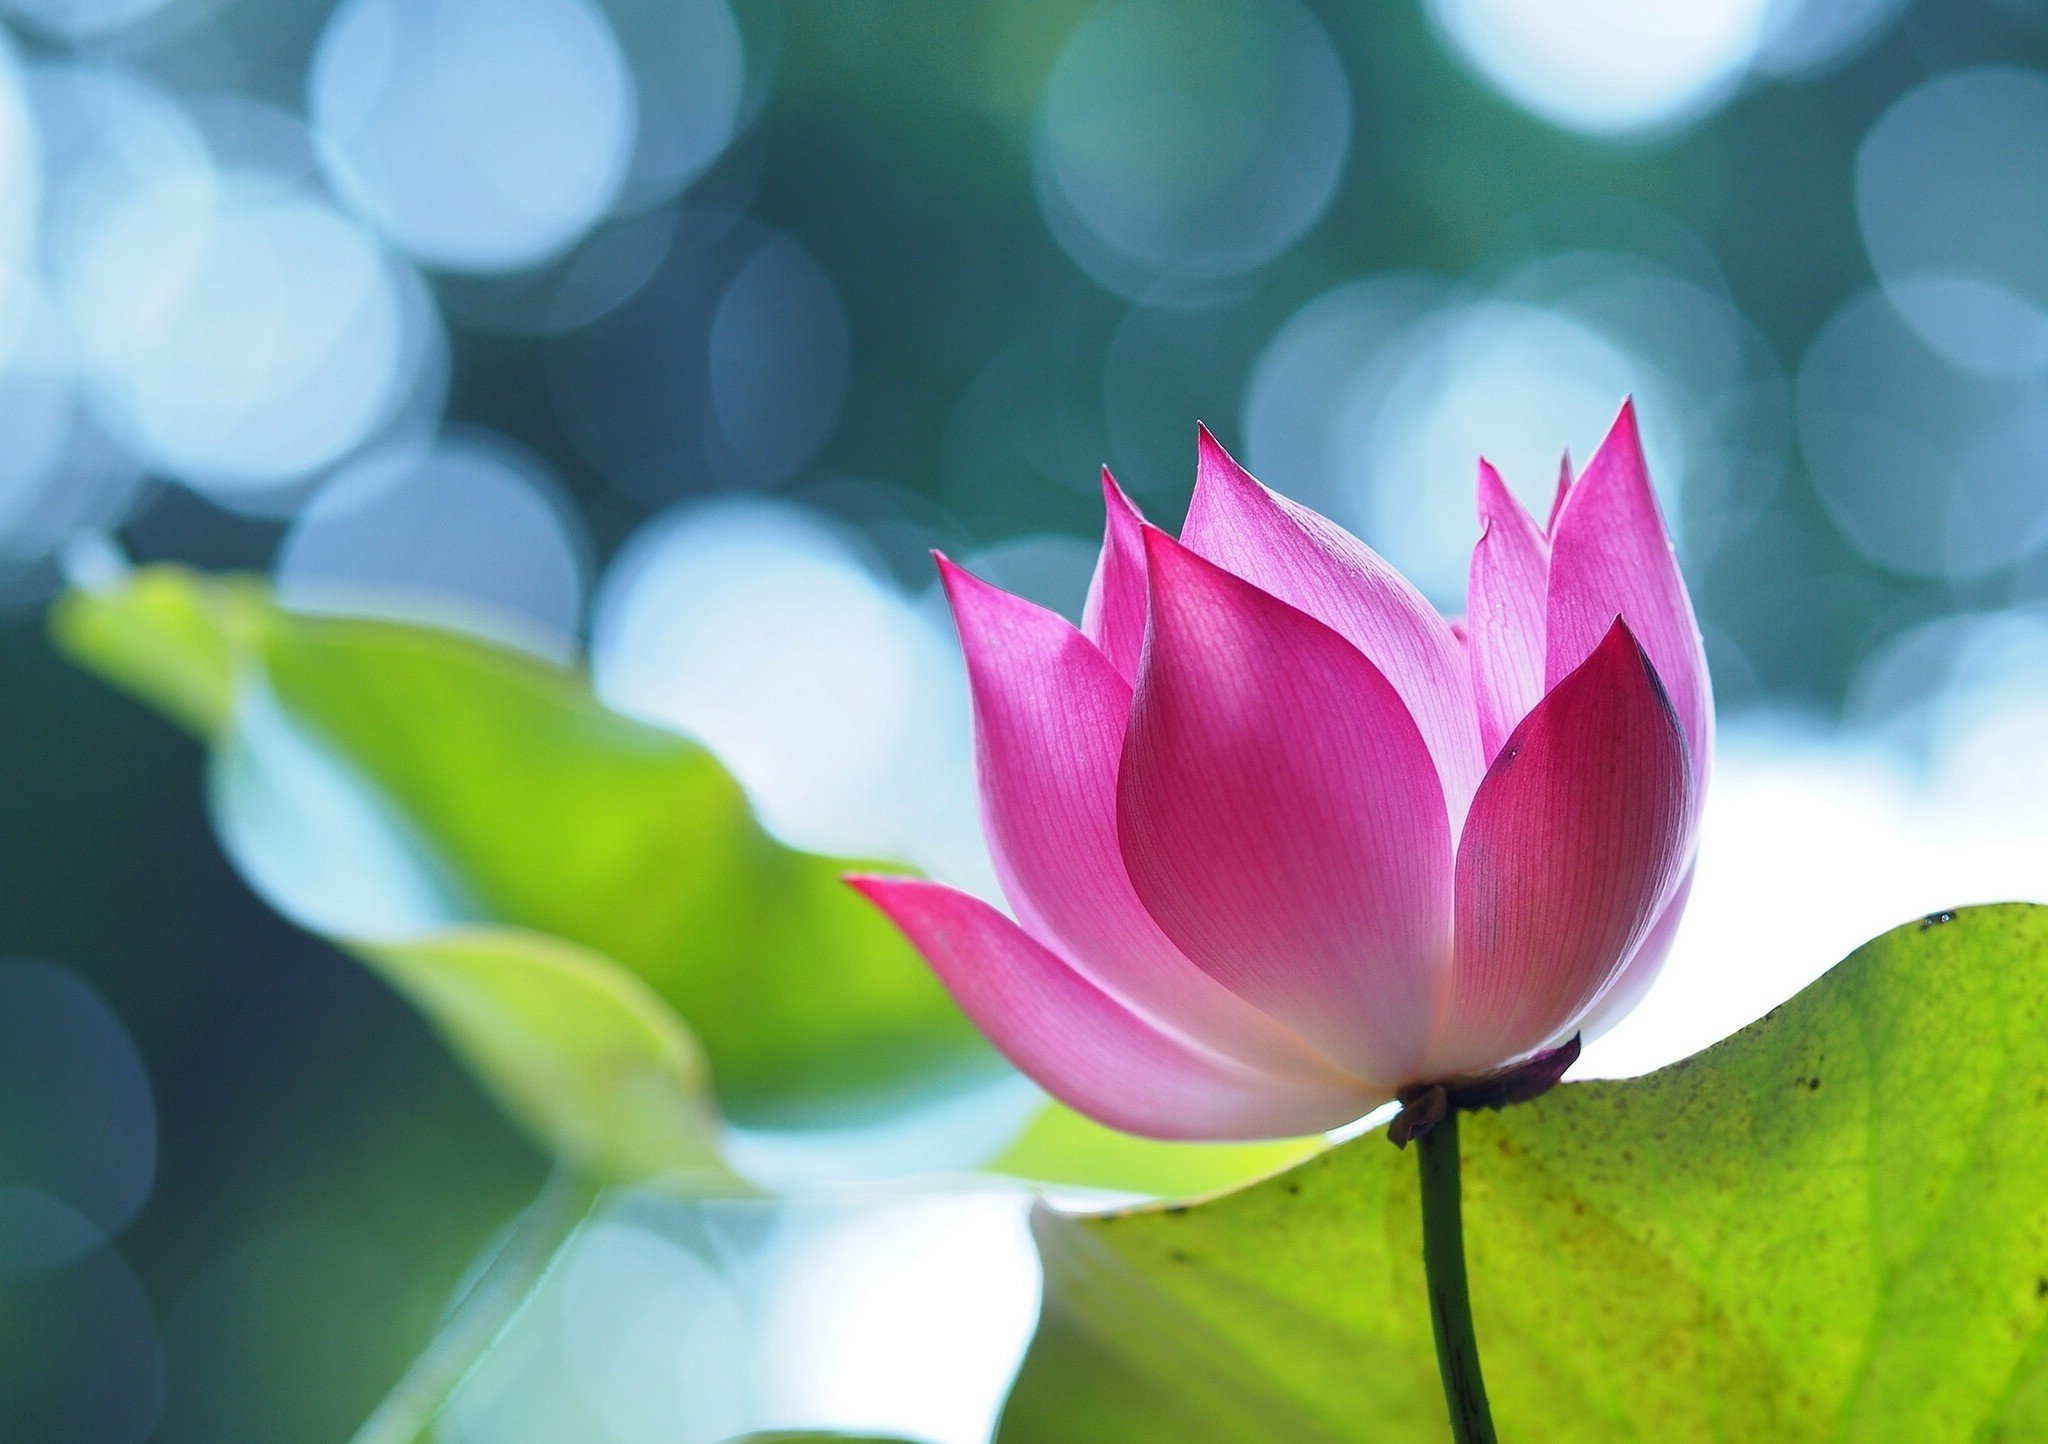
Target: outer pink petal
[(1312, 563), (1281, 818), (1049, 718), (1083, 1046), (1576, 838), (1504, 620), (1642, 969), (1114, 615), (1610, 557)]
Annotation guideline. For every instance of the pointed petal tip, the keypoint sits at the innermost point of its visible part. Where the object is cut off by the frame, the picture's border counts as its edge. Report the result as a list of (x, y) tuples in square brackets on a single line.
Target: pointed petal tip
[(955, 578), (1492, 491), (1622, 638), (955, 581), (877, 887), (1625, 431), (1214, 464), (1169, 558), (1619, 459), (1116, 499), (971, 597), (1160, 544), (1564, 490)]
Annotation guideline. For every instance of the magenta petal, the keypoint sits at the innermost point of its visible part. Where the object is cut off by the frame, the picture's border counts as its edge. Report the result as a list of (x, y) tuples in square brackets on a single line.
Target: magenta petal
[(1114, 615), (1609, 557), (1504, 622), (1564, 489), (1281, 817), (1643, 966), (1311, 563), (1049, 718), (1576, 838), (1084, 1047)]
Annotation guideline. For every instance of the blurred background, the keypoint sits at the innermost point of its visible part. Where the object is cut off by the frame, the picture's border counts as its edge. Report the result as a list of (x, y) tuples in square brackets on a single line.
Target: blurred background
[(673, 333)]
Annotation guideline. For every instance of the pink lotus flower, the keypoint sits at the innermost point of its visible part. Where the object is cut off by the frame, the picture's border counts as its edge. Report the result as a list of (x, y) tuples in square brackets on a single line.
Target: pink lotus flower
[(1282, 842)]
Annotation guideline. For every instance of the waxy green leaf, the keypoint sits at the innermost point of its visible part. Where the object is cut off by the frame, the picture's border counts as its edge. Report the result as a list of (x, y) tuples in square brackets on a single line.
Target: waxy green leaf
[(1831, 1226), (452, 783), (570, 1042)]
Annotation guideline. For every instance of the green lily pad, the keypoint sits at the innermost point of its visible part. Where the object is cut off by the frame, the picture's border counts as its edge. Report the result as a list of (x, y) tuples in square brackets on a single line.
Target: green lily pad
[(490, 788), (1833, 1225)]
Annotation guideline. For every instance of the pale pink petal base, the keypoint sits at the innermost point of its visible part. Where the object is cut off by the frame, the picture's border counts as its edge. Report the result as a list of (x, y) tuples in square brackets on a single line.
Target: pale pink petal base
[(1641, 970), (1281, 819), (1086, 1049), (1576, 838)]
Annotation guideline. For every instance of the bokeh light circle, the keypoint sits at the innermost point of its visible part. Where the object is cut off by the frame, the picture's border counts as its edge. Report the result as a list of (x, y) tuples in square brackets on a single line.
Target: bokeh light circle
[(759, 629), (236, 335), (1344, 342), (38, 416), (897, 1313), (21, 165), (84, 1362), (1608, 67), (80, 19), (469, 532), (689, 68), (107, 135), (780, 352), (1375, 401), (1953, 200), (1925, 468), (479, 135), (1515, 383), (1190, 139), (1806, 38), (729, 367), (78, 1134)]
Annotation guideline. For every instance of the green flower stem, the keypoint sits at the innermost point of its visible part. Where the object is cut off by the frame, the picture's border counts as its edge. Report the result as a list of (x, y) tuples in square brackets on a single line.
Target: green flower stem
[(1450, 1305), (479, 1319)]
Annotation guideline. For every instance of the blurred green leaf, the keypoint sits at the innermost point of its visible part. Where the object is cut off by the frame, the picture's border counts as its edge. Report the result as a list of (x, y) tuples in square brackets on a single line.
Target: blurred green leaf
[(497, 791), (1060, 1146), (168, 637), (569, 1041), (813, 1437), (1830, 1226)]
